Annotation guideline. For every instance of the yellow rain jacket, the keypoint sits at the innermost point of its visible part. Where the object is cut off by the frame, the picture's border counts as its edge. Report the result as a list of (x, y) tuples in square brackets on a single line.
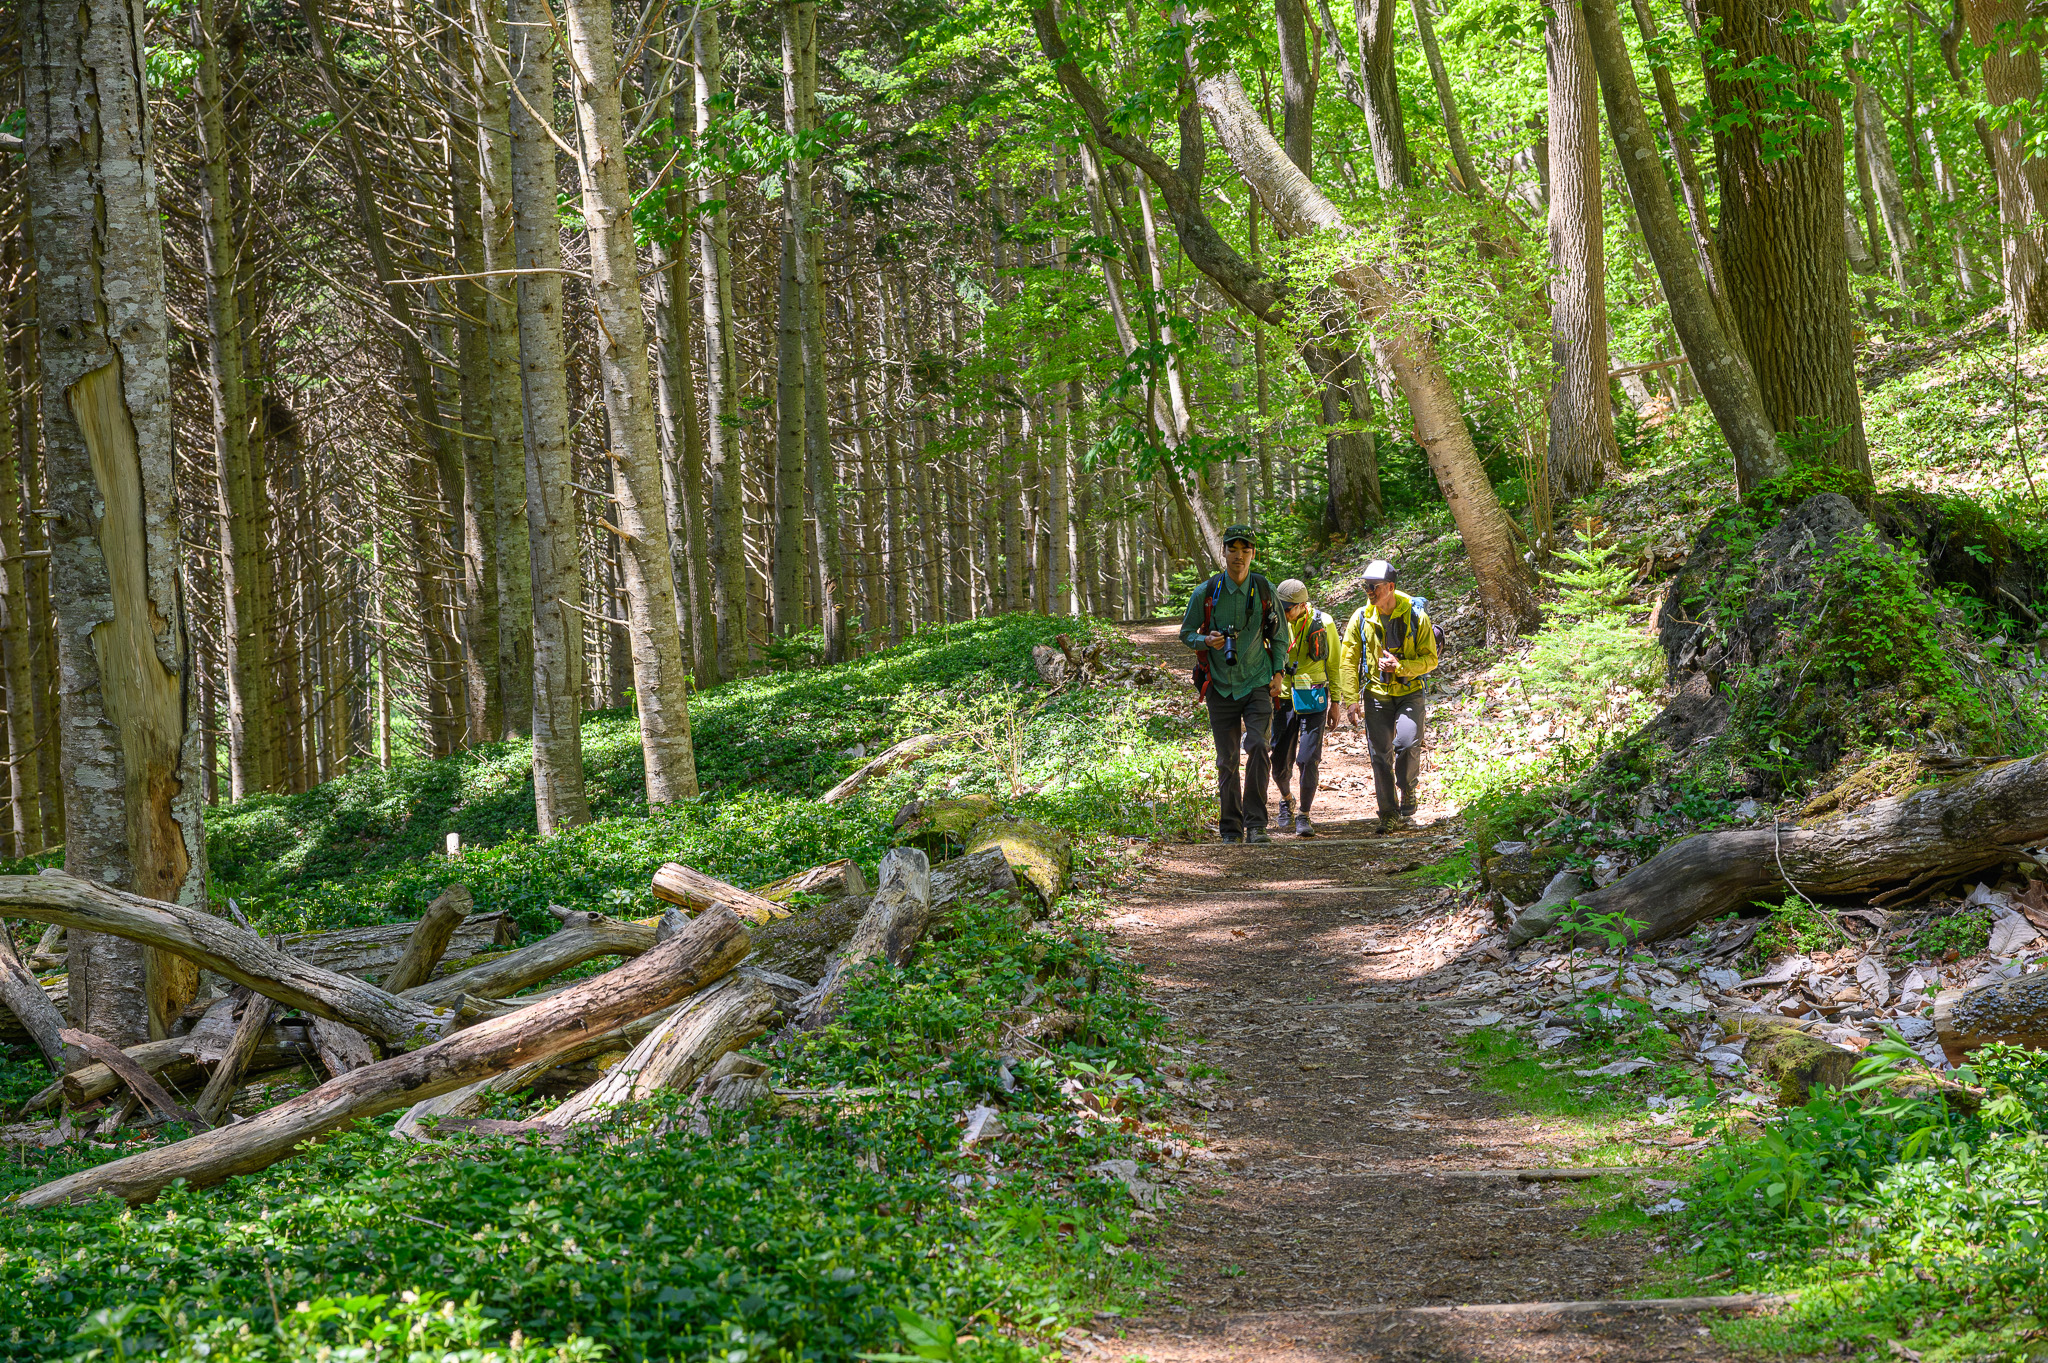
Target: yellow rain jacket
[(1407, 634), (1309, 641)]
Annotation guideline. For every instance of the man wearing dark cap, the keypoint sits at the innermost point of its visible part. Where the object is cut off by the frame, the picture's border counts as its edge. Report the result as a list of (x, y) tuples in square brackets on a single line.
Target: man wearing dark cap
[(1233, 624)]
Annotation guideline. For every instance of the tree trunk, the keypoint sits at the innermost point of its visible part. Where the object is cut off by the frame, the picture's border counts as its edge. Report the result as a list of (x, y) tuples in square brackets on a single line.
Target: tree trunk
[(2012, 79), (1714, 354), (132, 787), (551, 514), (1392, 162), (674, 1054), (888, 931), (722, 459), (1689, 179), (1454, 128), (660, 685), (1297, 85), (1966, 825), (20, 631), (1781, 233), (686, 963), (787, 603), (1582, 445)]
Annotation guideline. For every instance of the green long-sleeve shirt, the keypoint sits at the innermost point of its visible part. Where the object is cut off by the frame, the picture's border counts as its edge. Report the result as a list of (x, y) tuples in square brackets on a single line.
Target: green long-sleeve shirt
[(1239, 605)]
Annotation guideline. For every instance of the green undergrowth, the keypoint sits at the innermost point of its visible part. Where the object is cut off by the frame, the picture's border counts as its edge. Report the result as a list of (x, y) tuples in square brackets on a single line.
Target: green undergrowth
[(851, 1226), (367, 847), (1900, 1223)]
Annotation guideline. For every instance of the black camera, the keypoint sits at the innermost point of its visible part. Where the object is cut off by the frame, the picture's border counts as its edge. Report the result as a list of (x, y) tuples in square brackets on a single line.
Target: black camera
[(1229, 633)]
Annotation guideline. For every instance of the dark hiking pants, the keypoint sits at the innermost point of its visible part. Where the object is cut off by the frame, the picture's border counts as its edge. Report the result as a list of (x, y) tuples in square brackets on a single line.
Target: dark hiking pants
[(1395, 727), (1298, 750), (1244, 722)]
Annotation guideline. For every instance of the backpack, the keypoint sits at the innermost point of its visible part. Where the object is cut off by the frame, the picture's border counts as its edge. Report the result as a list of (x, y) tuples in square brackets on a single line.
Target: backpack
[(1212, 593)]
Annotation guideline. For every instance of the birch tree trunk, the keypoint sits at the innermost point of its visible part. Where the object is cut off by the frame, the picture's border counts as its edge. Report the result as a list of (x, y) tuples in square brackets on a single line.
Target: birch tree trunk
[(129, 729), (1581, 412), (2012, 78), (722, 461), (551, 519), (659, 677)]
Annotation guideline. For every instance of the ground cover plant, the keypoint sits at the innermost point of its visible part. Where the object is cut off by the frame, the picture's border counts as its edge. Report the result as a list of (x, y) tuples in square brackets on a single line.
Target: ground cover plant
[(846, 1224)]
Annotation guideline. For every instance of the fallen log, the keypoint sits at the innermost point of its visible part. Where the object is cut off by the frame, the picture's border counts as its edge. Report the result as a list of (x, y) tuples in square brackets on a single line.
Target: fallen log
[(341, 1049), (430, 939), (170, 1058), (582, 937), (211, 1036), (941, 827), (802, 944), (833, 880), (693, 890), (24, 996), (373, 952), (138, 1080), (1966, 825), (237, 1059), (889, 930), (1042, 856), (674, 1054), (681, 966), (1784, 1053), (217, 945), (2013, 1011), (896, 755), (986, 872)]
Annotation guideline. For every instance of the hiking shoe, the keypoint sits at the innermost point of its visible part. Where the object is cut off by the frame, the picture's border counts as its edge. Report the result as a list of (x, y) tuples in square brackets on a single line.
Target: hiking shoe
[(1384, 826), (1302, 827), (1256, 835), (1408, 809), (1233, 836), (1286, 812)]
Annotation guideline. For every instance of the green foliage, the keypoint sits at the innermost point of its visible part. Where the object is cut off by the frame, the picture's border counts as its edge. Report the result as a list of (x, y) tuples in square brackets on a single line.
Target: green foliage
[(1590, 641), (372, 1328), (1798, 925), (1966, 931), (2018, 1072), (1808, 478)]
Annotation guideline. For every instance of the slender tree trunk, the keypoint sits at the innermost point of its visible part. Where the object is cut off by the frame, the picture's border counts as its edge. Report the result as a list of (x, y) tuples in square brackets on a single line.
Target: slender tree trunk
[(1689, 178), (1454, 127), (479, 606), (17, 627), (552, 529), (1781, 237), (131, 742), (1297, 84), (1392, 161), (1581, 411), (1714, 354), (2012, 79), (723, 461), (659, 678)]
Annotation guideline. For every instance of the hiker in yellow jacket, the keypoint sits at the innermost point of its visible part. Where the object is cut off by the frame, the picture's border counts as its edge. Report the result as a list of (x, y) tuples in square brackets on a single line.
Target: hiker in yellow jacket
[(1301, 702), (1387, 648)]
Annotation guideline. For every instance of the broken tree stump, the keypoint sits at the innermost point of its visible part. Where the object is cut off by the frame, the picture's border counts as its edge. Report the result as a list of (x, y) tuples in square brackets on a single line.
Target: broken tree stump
[(888, 931), (2013, 1011), (1795, 1060), (1042, 856), (723, 1018), (217, 945), (897, 755), (693, 890), (833, 880), (1966, 825), (429, 940), (681, 966)]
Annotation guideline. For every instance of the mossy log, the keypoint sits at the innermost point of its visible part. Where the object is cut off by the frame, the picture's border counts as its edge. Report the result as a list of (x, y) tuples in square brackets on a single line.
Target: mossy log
[(1042, 857), (699, 955), (941, 827), (1793, 1059), (2013, 1011), (1970, 824)]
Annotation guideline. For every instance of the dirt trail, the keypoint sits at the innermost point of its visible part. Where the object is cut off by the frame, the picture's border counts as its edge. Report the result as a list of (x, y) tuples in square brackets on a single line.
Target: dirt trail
[(1346, 1122)]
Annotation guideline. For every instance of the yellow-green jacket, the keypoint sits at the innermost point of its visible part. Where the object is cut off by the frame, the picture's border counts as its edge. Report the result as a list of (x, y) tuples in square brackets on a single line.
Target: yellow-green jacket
[(1407, 634), (1310, 642)]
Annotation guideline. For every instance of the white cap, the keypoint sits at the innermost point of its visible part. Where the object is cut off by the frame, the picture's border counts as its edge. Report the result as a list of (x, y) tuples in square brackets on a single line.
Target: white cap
[(1379, 570)]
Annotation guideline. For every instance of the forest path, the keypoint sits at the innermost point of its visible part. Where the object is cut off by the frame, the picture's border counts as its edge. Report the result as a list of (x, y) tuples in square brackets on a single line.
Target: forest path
[(1344, 1123)]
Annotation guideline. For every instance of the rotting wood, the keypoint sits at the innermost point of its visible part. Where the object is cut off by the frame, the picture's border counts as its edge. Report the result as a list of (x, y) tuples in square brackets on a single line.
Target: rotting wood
[(430, 938), (677, 884), (987, 872), (31, 1006), (341, 1049), (832, 880), (723, 1018), (709, 948), (2012, 1011), (1791, 1057), (1966, 825), (217, 945), (889, 930), (373, 951), (138, 1080), (241, 1056), (896, 755), (583, 937), (1040, 855), (211, 1036)]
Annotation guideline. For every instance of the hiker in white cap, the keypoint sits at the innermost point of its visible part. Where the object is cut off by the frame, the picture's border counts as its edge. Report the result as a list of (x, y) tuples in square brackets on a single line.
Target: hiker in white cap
[(1387, 650), (1301, 702)]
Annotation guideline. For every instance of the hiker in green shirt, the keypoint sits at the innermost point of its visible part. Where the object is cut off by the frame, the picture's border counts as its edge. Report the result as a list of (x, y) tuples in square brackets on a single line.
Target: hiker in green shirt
[(1233, 624)]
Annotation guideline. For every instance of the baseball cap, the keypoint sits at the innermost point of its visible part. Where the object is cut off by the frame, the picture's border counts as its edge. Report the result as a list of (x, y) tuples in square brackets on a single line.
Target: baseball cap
[(1379, 570), (1241, 532), (1293, 591)]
